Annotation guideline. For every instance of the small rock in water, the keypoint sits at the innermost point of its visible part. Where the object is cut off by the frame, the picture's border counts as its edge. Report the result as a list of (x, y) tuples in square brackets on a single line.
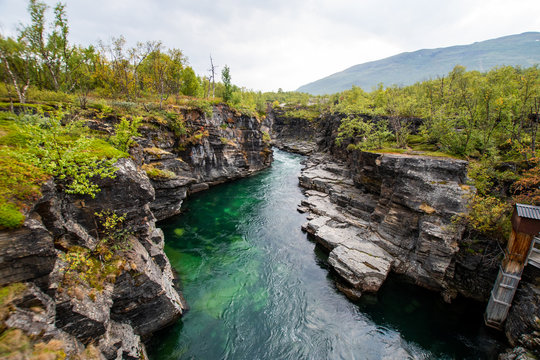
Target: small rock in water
[(351, 293)]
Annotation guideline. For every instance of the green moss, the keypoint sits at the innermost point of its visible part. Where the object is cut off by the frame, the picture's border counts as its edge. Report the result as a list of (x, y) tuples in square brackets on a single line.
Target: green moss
[(10, 216), (20, 185), (155, 151), (156, 173), (7, 293)]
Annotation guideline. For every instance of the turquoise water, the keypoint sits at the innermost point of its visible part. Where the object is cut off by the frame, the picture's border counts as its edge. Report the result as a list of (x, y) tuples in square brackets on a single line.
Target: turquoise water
[(259, 289)]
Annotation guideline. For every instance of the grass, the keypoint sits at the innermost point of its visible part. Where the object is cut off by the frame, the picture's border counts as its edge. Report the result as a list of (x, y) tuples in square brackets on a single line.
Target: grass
[(104, 150), (15, 344), (20, 185), (416, 148), (84, 268)]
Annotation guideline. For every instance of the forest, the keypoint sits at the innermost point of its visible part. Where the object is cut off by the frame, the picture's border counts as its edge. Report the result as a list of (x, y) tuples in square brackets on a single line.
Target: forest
[(489, 118)]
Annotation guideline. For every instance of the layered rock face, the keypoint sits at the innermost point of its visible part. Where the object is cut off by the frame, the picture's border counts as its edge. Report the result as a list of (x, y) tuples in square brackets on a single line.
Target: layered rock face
[(139, 299), (221, 147), (402, 203), (387, 212), (377, 213)]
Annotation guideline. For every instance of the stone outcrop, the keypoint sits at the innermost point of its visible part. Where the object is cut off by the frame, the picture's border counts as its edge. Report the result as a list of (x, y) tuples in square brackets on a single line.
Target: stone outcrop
[(387, 212), (26, 253), (409, 201)]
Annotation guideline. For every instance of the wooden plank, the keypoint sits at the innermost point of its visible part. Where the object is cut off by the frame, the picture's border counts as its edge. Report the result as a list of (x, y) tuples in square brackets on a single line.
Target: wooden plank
[(518, 248)]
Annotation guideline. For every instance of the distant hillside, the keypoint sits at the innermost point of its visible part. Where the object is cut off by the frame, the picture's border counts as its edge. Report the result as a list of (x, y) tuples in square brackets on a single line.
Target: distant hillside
[(410, 67)]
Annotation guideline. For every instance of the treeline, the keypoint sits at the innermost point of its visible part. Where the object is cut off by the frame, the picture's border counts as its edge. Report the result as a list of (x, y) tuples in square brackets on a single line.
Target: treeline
[(41, 58), (466, 113)]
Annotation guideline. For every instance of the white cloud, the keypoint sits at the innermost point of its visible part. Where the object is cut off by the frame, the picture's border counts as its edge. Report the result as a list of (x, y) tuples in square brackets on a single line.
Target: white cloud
[(272, 44)]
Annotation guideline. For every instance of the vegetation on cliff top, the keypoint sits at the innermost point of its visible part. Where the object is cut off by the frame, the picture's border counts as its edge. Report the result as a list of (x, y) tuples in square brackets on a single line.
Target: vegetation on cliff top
[(50, 90), (36, 147), (490, 119)]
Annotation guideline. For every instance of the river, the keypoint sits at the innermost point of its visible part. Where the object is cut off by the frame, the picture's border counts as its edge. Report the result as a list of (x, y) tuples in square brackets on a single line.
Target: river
[(258, 288)]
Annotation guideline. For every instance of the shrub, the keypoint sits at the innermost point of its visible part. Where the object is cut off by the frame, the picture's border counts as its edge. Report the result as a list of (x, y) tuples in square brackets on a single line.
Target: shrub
[(124, 133), (490, 216), (65, 153), (371, 134), (126, 106), (177, 124), (103, 264)]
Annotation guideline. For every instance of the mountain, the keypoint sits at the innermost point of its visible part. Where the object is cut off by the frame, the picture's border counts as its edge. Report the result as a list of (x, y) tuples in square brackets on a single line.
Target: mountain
[(410, 67)]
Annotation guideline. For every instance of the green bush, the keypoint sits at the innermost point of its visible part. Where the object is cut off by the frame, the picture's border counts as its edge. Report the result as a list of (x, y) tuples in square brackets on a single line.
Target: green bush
[(64, 152), (124, 133)]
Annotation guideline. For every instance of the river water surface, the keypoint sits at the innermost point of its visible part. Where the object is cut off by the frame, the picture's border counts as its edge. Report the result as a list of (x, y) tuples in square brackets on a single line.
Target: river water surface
[(259, 289)]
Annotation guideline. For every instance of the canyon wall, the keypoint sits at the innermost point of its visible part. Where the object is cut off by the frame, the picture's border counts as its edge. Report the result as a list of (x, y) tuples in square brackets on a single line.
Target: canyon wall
[(377, 213), (65, 290), (408, 205)]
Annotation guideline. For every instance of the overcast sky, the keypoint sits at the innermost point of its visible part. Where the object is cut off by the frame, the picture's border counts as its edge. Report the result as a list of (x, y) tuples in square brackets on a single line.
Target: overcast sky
[(288, 43)]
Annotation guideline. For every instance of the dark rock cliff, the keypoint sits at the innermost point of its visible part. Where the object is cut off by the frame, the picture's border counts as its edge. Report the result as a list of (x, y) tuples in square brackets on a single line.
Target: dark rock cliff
[(80, 313), (107, 308), (408, 202), (222, 147), (377, 213)]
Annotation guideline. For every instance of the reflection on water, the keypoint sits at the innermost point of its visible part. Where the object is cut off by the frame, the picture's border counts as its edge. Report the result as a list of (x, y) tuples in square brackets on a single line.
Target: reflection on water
[(259, 289)]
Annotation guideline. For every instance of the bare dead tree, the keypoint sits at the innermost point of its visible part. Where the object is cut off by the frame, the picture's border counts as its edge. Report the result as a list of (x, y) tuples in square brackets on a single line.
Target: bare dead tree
[(212, 75)]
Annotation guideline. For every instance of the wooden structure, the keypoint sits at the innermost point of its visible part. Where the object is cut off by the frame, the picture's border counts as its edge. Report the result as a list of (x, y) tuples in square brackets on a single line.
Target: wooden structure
[(523, 248)]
